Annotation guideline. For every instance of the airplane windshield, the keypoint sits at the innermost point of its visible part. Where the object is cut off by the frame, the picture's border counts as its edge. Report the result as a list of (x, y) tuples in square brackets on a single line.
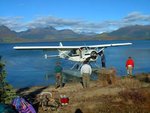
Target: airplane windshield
[(79, 52)]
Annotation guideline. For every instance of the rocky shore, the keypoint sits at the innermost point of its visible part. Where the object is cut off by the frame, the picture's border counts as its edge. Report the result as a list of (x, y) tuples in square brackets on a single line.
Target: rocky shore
[(128, 94)]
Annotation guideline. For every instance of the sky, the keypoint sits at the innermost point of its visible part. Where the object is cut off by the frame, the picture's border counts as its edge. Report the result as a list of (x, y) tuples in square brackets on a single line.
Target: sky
[(78, 15)]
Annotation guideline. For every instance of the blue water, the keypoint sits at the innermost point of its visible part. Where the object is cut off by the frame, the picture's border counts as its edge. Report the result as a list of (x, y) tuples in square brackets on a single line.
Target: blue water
[(29, 68)]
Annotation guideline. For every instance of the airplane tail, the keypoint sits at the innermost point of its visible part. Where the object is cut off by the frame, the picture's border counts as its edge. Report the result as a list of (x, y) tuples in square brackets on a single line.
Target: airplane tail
[(60, 44), (59, 55), (62, 53)]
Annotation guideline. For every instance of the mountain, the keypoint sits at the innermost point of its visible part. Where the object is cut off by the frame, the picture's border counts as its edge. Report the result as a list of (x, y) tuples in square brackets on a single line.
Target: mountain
[(38, 35), (48, 33), (136, 32), (6, 34)]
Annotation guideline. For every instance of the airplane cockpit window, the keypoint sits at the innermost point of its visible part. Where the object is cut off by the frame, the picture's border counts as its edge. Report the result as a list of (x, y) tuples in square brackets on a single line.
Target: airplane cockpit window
[(85, 50), (72, 52), (79, 52)]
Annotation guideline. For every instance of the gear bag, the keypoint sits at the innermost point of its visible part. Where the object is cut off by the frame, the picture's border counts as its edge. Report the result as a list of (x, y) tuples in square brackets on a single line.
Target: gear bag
[(22, 106)]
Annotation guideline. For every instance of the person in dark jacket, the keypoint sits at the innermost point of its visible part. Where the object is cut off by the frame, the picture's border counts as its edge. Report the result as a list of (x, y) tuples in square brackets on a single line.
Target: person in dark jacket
[(58, 74)]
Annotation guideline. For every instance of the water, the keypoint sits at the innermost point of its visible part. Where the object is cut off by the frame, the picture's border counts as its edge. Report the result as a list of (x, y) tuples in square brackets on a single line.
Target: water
[(29, 68)]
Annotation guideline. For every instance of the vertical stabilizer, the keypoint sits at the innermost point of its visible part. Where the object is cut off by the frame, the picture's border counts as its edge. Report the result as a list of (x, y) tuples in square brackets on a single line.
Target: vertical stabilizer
[(62, 53), (60, 44)]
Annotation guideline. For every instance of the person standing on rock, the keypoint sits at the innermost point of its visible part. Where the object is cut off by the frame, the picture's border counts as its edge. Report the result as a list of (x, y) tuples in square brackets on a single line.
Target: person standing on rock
[(58, 74), (129, 65)]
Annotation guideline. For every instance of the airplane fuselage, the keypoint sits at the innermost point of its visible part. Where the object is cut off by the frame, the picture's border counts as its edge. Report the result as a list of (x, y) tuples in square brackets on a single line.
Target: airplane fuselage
[(77, 56)]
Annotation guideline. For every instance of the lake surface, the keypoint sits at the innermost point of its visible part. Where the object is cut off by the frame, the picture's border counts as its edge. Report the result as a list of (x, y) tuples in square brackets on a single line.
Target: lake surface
[(29, 68)]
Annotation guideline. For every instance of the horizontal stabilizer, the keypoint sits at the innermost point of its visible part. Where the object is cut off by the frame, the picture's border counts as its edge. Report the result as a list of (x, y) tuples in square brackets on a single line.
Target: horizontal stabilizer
[(50, 56)]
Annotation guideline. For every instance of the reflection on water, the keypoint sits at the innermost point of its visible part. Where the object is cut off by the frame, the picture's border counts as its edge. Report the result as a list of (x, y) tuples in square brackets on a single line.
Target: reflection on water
[(29, 68)]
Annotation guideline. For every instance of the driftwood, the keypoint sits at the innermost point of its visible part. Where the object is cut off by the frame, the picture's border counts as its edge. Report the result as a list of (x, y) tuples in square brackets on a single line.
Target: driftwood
[(106, 76)]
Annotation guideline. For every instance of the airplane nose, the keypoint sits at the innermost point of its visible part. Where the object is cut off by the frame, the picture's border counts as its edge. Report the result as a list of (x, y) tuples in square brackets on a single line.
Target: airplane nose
[(94, 55)]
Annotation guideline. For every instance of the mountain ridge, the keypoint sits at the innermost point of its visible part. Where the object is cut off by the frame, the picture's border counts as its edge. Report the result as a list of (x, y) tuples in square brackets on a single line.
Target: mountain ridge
[(136, 32)]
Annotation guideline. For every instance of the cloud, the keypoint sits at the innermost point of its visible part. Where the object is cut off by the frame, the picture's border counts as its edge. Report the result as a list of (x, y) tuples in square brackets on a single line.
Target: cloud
[(78, 25), (14, 23), (53, 21), (136, 16)]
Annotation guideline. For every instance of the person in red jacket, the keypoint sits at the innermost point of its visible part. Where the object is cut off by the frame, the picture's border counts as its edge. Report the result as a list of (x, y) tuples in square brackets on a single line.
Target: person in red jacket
[(129, 65)]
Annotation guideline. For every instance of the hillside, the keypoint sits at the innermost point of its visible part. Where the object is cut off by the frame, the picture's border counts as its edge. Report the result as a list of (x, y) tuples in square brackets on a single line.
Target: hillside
[(7, 35), (38, 35), (126, 95), (48, 33), (136, 32)]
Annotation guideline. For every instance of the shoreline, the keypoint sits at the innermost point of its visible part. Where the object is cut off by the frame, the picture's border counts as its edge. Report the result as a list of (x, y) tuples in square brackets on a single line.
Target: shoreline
[(98, 97), (139, 76)]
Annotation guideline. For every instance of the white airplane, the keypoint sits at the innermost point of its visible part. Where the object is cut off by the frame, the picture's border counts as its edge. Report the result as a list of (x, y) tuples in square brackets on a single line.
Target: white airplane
[(74, 53)]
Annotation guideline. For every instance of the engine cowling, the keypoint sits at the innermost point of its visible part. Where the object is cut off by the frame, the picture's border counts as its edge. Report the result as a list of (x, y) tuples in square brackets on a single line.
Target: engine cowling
[(93, 55)]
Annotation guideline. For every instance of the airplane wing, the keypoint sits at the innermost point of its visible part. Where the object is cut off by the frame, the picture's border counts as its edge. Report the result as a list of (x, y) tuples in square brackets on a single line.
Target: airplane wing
[(109, 45), (67, 47), (46, 47)]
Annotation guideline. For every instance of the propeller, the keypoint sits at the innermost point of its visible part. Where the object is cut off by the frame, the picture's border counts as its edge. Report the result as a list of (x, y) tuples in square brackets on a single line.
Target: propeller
[(94, 54)]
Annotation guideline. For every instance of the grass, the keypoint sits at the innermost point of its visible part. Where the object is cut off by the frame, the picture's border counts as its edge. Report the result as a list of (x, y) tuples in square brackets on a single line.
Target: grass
[(128, 95)]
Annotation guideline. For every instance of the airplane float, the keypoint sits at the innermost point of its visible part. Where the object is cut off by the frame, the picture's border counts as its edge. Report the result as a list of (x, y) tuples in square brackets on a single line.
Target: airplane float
[(75, 53)]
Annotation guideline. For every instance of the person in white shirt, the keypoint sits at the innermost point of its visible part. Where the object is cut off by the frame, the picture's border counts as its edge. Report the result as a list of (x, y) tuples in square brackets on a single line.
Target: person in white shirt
[(86, 71)]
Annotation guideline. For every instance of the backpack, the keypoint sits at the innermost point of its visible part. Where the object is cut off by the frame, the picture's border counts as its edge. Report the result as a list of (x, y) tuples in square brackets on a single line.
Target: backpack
[(22, 106)]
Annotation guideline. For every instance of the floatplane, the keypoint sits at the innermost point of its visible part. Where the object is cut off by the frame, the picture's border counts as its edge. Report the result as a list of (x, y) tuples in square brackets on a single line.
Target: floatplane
[(76, 54)]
